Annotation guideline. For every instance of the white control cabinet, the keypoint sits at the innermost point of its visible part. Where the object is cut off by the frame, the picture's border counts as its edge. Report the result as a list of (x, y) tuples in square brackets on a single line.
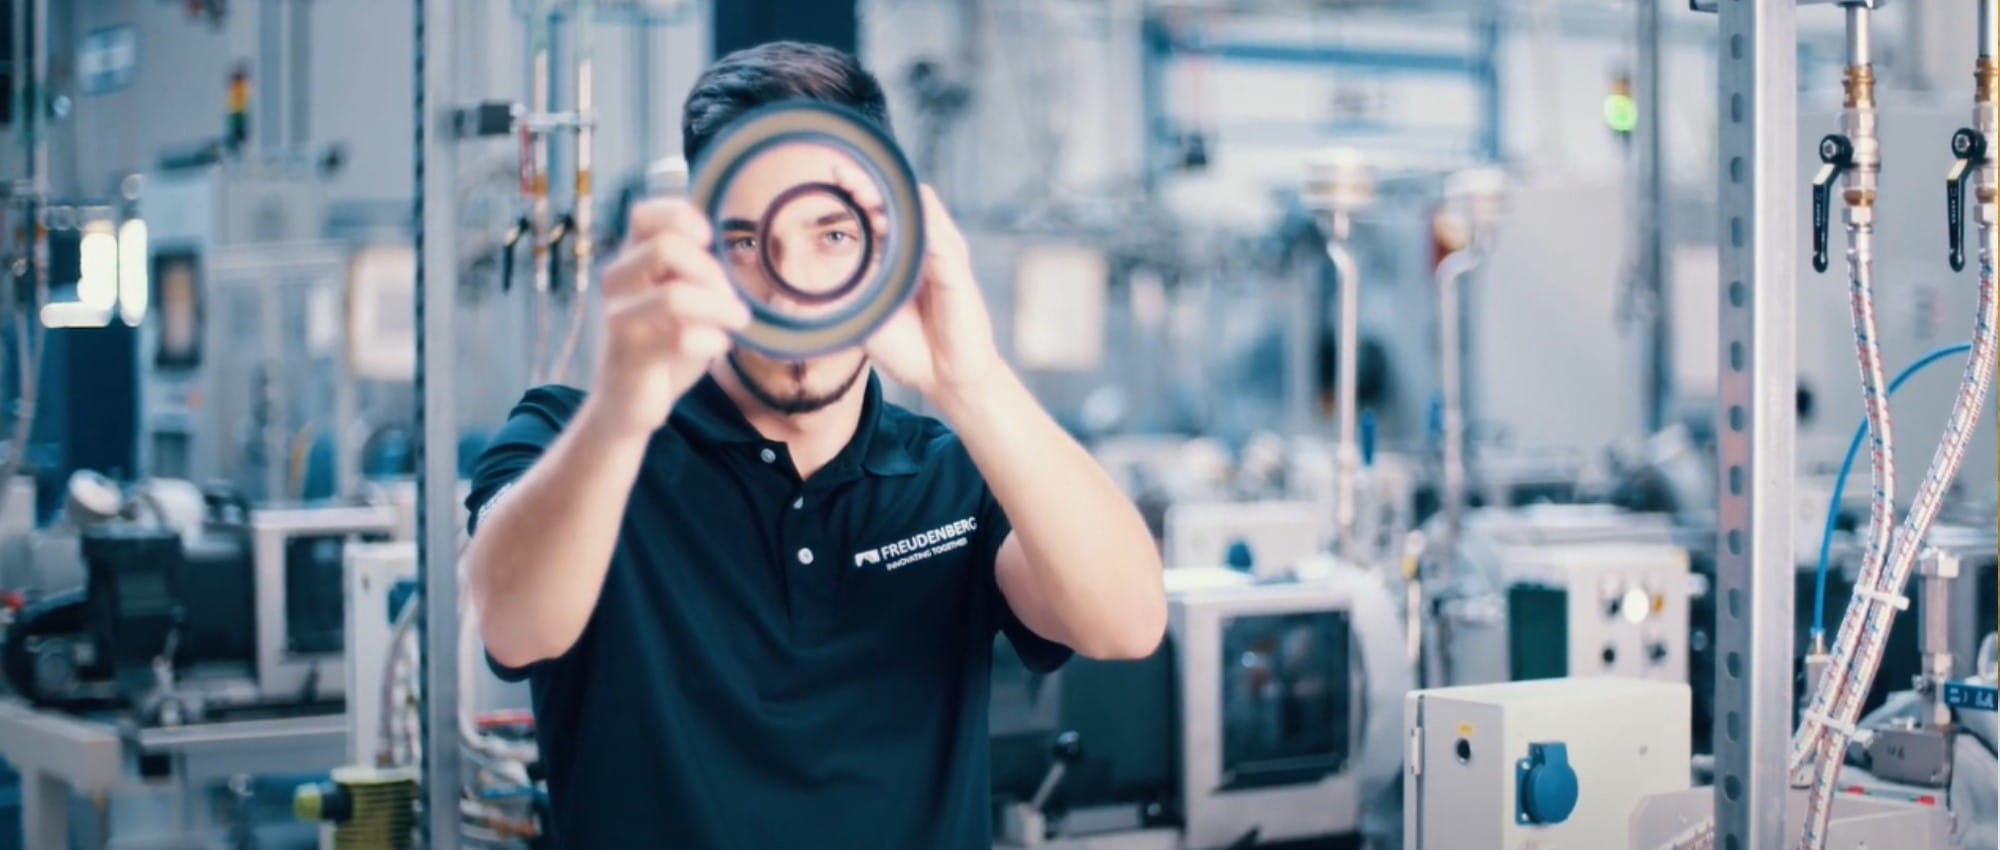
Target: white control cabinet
[(1558, 764)]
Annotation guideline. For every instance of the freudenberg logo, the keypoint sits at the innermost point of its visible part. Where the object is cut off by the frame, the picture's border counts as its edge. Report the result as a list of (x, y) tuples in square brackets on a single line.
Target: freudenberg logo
[(917, 547)]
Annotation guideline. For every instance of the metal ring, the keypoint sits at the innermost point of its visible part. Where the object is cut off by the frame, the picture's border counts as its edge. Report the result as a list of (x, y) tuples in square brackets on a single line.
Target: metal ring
[(764, 242), (896, 272)]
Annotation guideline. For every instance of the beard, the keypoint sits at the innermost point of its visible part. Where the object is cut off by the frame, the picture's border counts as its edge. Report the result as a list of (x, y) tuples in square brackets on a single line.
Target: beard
[(797, 398)]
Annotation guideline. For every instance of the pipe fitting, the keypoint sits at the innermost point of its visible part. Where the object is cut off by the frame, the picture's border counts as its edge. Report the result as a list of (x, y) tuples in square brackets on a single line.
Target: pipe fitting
[(1859, 84)]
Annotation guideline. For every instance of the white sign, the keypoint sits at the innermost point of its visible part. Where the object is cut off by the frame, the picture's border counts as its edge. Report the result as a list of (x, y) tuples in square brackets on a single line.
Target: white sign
[(1059, 295), (108, 59)]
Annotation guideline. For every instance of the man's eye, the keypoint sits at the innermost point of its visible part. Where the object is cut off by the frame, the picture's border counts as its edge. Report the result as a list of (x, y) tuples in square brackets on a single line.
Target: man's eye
[(838, 237), (741, 244)]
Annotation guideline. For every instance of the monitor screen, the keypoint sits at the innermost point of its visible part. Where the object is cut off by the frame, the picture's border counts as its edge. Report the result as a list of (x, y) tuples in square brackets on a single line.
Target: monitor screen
[(1287, 698)]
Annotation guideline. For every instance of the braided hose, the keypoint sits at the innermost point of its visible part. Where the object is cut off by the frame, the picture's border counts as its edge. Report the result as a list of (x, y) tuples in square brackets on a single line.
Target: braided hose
[(1859, 194), (1882, 510), (1965, 412), (1878, 613), (1701, 835)]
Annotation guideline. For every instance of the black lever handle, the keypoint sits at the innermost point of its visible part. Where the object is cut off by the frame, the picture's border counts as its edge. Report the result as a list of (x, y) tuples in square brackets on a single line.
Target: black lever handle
[(1968, 146), (557, 236), (1837, 154), (1067, 750), (507, 247)]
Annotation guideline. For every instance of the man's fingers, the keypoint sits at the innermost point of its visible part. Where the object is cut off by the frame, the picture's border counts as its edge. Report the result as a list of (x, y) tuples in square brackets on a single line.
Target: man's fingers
[(702, 343), (939, 228), (656, 216), (691, 306), (943, 244), (866, 195), (669, 258), (682, 306), (666, 257), (857, 184)]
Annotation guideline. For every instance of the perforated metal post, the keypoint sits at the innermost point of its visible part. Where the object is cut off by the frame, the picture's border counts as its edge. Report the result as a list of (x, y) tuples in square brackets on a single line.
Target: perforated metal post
[(437, 448), (1653, 268), (1754, 560)]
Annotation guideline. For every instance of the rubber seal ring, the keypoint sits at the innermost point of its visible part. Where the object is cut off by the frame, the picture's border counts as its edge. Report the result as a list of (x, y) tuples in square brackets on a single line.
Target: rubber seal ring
[(764, 242), (893, 276)]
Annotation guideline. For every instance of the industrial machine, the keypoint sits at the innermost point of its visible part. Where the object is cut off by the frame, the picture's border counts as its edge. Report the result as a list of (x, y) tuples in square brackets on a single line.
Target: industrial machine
[(239, 610), (1556, 591), (1556, 765), (1277, 709), (1266, 539)]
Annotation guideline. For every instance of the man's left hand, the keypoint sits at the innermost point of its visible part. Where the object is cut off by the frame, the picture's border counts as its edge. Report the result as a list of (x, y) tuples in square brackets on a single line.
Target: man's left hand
[(939, 343)]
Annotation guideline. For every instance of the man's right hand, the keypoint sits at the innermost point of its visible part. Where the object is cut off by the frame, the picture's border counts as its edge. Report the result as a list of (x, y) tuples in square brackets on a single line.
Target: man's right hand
[(668, 313)]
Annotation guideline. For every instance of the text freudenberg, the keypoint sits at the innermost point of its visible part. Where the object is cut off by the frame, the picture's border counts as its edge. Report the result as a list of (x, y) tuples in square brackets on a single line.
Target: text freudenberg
[(917, 547)]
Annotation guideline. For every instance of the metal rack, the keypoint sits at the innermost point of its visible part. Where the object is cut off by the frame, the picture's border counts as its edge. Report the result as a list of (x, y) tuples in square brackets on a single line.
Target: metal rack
[(1757, 96), (437, 297)]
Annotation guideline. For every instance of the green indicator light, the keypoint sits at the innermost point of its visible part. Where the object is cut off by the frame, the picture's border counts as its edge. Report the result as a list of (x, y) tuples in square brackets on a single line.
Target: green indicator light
[(1620, 113)]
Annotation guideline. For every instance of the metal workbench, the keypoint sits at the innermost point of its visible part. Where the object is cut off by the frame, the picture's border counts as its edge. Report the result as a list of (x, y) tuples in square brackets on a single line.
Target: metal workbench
[(63, 756)]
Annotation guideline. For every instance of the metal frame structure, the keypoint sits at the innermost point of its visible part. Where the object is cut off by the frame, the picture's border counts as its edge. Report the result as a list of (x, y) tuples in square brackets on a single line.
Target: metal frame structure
[(436, 303), (1653, 269), (1757, 95)]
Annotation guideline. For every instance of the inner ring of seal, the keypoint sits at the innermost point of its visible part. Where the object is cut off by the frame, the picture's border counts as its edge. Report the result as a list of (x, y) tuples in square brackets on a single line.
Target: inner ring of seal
[(764, 242)]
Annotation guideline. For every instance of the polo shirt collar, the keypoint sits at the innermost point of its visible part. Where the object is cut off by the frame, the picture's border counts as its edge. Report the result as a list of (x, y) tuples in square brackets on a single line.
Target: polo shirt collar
[(709, 415)]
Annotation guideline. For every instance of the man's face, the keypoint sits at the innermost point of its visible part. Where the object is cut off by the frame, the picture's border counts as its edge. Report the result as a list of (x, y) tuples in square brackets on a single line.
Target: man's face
[(812, 248)]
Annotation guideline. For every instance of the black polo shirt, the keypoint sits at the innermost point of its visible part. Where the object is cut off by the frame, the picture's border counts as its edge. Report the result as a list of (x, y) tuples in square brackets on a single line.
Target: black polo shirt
[(777, 663)]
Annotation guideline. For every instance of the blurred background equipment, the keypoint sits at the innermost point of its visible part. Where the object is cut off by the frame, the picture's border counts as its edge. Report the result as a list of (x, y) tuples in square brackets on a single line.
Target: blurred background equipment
[(1466, 362)]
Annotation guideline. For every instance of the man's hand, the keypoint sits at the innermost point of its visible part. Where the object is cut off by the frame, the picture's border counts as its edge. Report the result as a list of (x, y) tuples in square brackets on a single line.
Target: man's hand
[(941, 342), (668, 313)]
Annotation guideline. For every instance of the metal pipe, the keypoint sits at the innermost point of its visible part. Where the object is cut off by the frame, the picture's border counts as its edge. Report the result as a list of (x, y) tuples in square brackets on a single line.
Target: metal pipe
[(1337, 184), (27, 326), (1858, 34), (1450, 277), (585, 117), (1347, 449), (1651, 212), (535, 183), (1934, 628), (1987, 36), (580, 234), (436, 163), (36, 111)]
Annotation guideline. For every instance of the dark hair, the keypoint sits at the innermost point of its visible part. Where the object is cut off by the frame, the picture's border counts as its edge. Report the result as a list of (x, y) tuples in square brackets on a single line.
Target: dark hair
[(767, 73)]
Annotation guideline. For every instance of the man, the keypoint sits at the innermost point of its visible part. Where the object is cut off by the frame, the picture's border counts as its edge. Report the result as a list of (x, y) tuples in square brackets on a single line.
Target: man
[(755, 602)]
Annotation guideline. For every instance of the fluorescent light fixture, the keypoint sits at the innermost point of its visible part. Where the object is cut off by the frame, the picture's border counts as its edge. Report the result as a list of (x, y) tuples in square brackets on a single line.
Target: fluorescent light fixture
[(74, 314), (134, 283), (97, 282)]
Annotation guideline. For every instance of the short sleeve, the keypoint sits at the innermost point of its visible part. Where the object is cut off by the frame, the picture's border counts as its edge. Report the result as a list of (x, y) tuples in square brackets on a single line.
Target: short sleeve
[(537, 419), (1037, 653), (533, 425)]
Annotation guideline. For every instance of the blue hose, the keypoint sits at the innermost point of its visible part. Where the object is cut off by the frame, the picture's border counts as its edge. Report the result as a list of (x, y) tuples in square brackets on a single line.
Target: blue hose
[(1840, 484)]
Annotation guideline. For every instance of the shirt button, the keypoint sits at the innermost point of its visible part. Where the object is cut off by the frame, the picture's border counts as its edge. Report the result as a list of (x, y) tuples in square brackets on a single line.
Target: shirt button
[(799, 502), (768, 455), (805, 556)]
